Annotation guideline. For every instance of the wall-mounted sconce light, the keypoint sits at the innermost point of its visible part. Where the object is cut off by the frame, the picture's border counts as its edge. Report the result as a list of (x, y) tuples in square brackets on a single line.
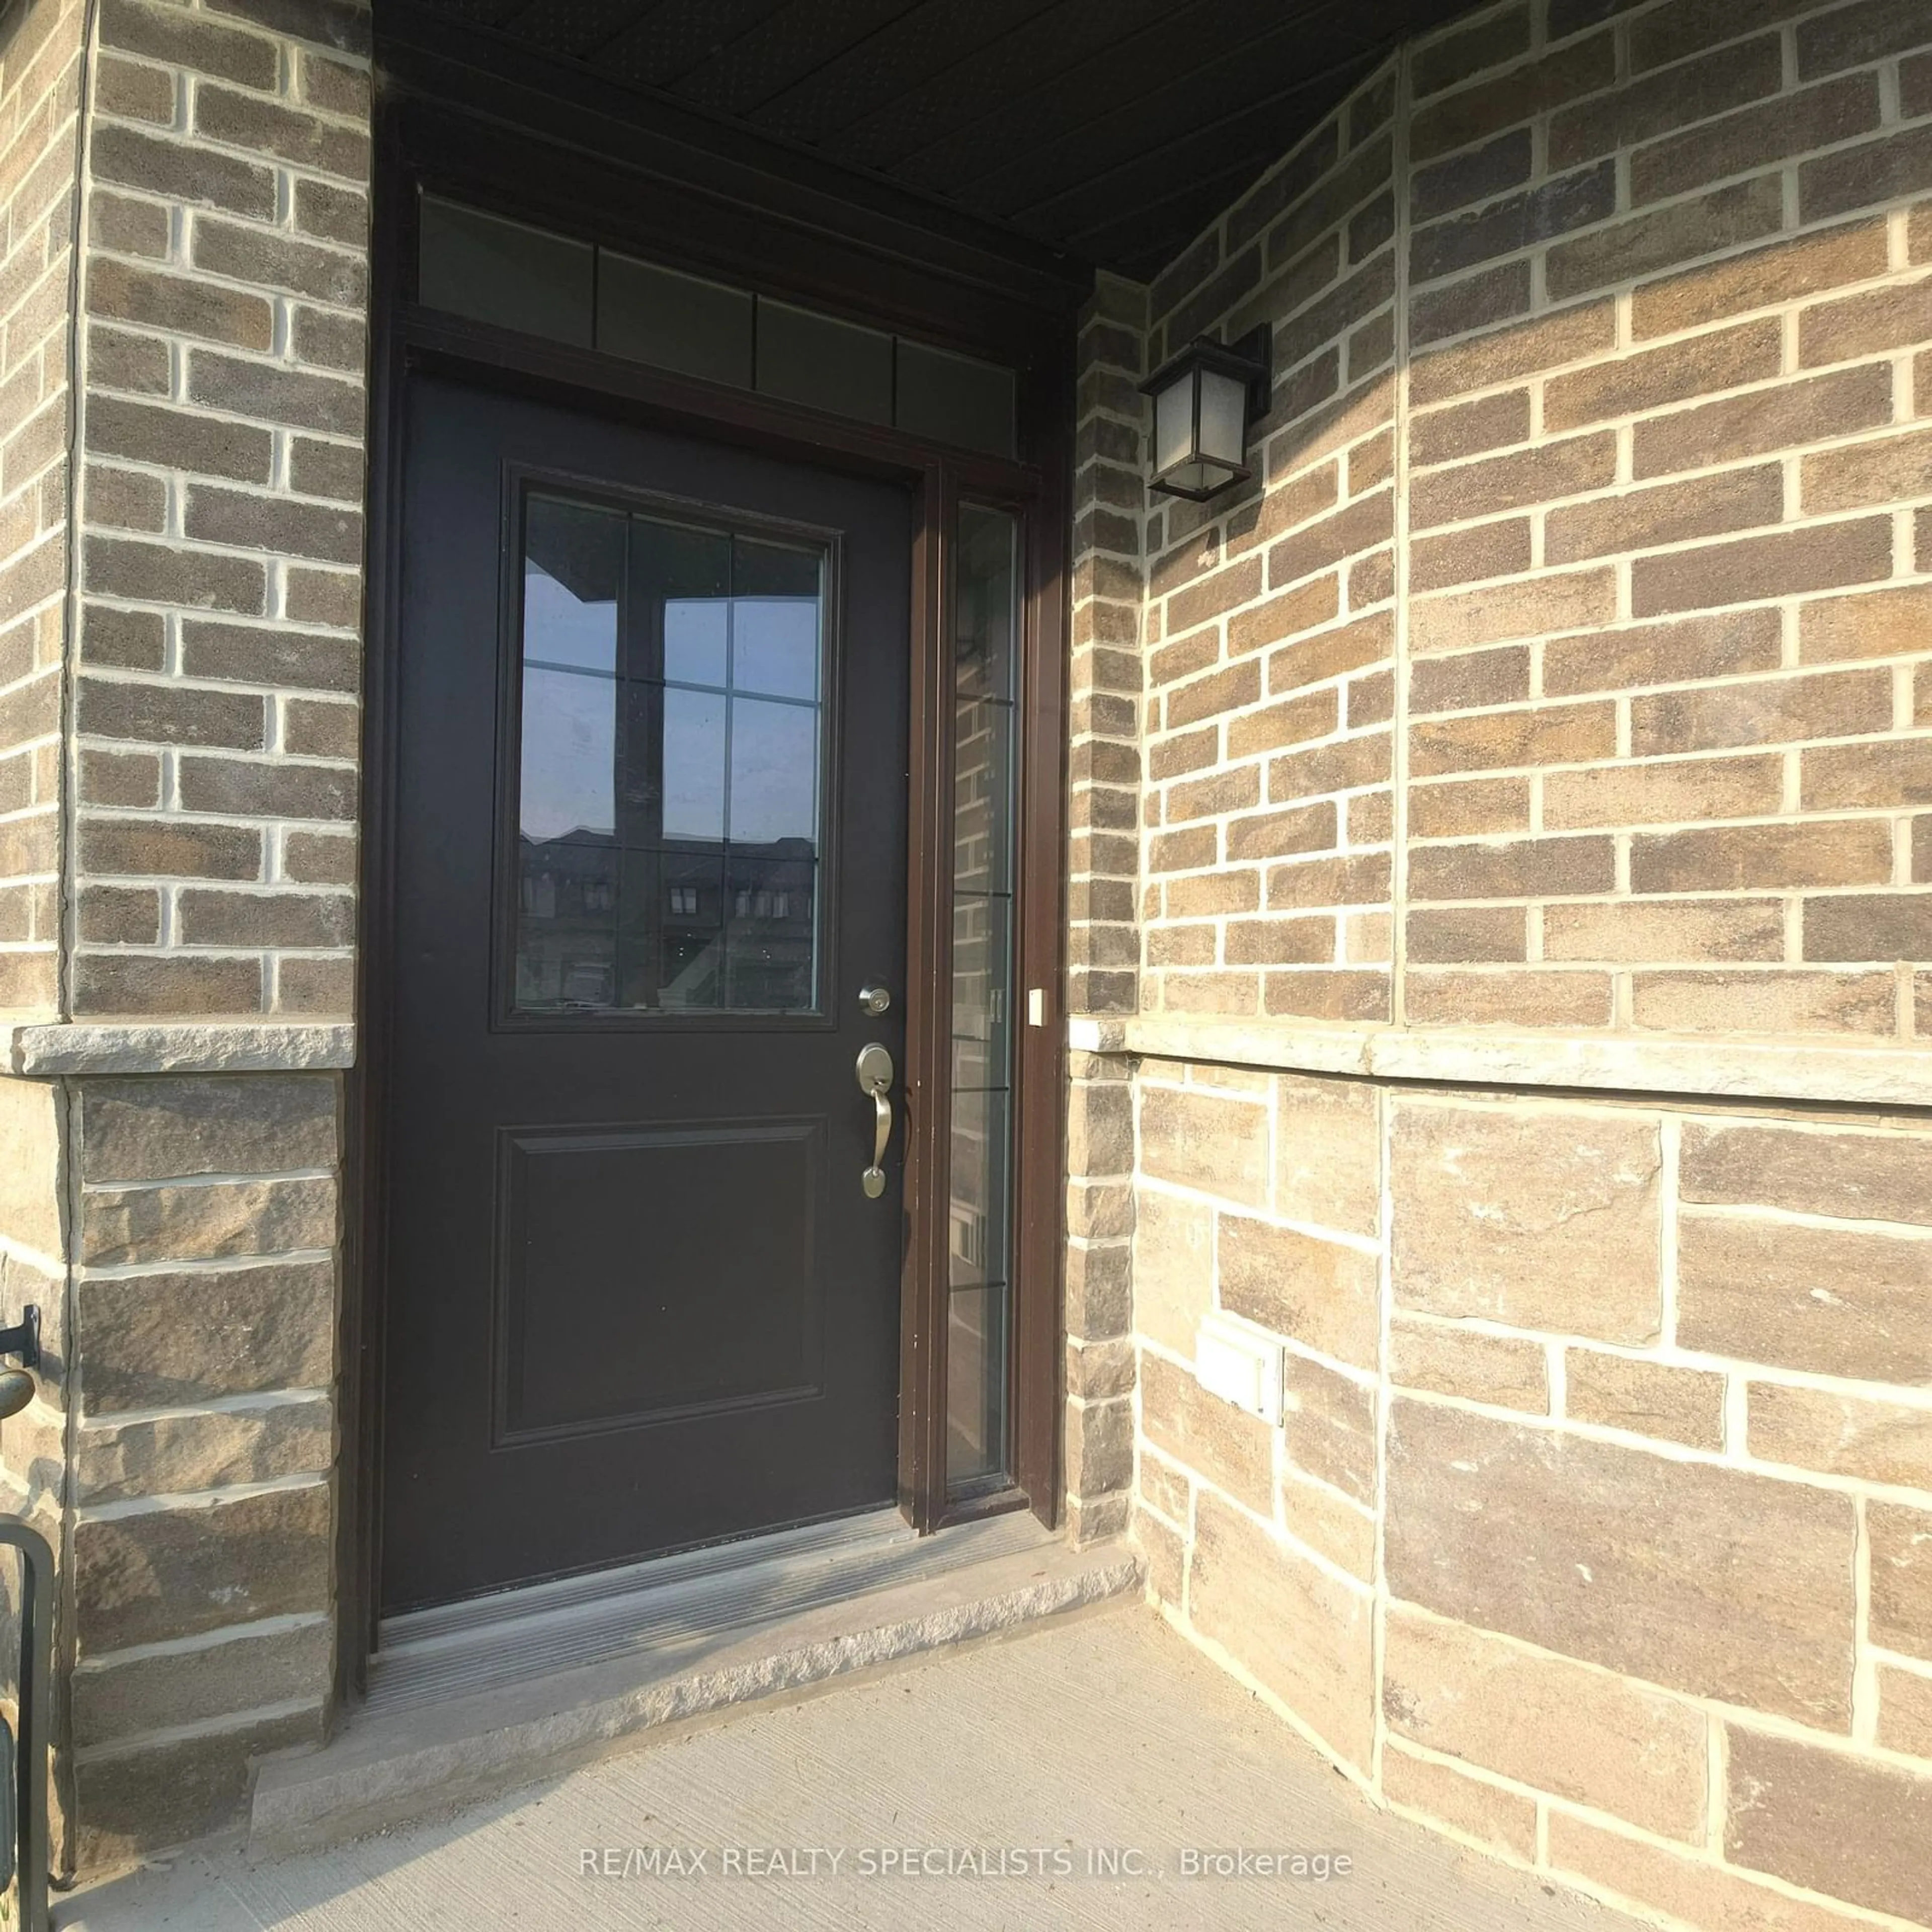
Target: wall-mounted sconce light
[(1204, 400)]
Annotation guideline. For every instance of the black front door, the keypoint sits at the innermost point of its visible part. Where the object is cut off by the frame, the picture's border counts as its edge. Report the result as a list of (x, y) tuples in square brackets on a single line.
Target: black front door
[(650, 846)]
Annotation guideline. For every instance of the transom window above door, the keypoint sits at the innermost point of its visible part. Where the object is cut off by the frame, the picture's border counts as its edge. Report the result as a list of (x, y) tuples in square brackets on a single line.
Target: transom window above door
[(543, 284), (670, 725)]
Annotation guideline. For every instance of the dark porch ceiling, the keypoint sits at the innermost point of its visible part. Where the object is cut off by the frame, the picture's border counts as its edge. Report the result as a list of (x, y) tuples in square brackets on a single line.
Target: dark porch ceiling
[(1110, 129)]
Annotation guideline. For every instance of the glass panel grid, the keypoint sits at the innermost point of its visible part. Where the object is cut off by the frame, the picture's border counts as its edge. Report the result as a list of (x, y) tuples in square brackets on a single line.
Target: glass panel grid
[(549, 285), (506, 272), (671, 321), (819, 360), (672, 725), (954, 398)]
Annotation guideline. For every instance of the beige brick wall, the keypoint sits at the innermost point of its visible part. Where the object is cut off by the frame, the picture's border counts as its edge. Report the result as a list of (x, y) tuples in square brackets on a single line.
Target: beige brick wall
[(1593, 1533), (1596, 1531), (1104, 679), (41, 65), (1271, 614), (1658, 296), (216, 732), (180, 1231), (1103, 865), (213, 751), (40, 69)]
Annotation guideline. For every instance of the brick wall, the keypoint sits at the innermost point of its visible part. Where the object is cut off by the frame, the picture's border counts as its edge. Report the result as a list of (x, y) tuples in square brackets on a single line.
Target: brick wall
[(216, 721), (41, 67), (1596, 1532), (1104, 677), (1271, 618), (1103, 865), (40, 101), (213, 754), (1659, 294), (1593, 1531)]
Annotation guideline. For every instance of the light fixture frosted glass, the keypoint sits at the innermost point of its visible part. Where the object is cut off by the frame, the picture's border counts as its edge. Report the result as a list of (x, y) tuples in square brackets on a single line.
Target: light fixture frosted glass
[(1204, 400)]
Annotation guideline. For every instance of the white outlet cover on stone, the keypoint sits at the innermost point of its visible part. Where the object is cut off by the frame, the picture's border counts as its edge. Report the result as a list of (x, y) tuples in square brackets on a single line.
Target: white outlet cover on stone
[(1240, 1364)]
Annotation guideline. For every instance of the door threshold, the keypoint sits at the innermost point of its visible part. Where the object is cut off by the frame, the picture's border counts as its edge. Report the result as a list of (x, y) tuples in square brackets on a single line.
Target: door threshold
[(481, 1698), (429, 1656)]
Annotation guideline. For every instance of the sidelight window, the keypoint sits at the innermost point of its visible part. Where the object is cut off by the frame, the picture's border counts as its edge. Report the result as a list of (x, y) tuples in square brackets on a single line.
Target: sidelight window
[(986, 628)]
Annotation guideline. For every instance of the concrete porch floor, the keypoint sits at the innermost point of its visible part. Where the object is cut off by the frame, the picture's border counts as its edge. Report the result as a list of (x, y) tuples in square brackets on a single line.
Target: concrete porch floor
[(1100, 1732)]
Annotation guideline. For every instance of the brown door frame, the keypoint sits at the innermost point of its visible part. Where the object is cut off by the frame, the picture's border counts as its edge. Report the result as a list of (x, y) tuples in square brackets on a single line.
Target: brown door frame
[(442, 127)]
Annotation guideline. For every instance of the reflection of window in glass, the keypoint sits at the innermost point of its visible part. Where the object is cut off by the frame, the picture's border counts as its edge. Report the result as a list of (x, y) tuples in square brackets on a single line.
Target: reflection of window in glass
[(671, 724), (986, 631)]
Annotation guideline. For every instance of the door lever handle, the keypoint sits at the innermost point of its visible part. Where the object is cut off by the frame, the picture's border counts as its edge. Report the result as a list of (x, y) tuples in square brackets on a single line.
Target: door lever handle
[(874, 1070)]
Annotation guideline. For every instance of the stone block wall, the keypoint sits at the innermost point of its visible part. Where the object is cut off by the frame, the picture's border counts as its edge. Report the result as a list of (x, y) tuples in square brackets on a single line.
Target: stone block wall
[(211, 766), (1655, 285), (184, 285), (205, 1284), (33, 1247), (1596, 1532), (1548, 723), (41, 59)]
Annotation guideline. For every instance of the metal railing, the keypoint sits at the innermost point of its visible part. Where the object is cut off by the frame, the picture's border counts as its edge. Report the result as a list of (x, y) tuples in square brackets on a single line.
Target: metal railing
[(23, 1758), (23, 1835)]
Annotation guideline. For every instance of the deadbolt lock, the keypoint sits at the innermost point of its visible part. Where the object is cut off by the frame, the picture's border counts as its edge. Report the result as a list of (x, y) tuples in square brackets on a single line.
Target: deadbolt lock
[(874, 1000)]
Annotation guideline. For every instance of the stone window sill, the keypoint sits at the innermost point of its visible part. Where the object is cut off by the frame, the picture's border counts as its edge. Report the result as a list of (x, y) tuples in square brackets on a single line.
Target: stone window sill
[(48, 1049), (1881, 1073)]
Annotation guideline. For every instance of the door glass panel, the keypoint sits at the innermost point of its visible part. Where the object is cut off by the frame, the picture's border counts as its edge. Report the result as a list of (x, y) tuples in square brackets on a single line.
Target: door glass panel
[(975, 1359), (773, 778), (503, 272), (775, 620), (681, 578), (770, 915), (693, 764), (777, 640), (979, 1125), (672, 728), (816, 359), (540, 283), (985, 634), (568, 734), (696, 633), (567, 958), (673, 322), (982, 804), (955, 398), (573, 562), (675, 953)]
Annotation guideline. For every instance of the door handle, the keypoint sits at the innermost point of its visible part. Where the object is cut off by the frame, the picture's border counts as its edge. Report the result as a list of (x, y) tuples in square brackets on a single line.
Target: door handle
[(874, 1071)]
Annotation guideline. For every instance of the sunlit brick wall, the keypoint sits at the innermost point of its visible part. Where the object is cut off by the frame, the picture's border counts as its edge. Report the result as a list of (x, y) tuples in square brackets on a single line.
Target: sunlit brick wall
[(1271, 621), (216, 726), (1633, 369), (39, 105), (1595, 1530)]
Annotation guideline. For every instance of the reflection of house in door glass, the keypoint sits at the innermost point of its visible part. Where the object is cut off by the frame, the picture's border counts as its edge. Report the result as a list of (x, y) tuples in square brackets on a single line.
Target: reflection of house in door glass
[(670, 766)]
